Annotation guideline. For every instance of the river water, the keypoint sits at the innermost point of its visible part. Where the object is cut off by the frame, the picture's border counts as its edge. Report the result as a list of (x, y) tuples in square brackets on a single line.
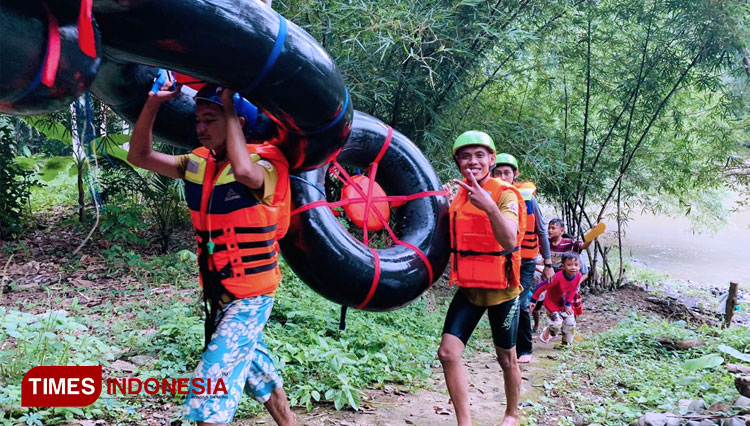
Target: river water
[(667, 244)]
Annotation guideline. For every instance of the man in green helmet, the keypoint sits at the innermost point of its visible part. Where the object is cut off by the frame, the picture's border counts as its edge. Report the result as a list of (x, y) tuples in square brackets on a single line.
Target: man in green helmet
[(486, 217), (534, 242)]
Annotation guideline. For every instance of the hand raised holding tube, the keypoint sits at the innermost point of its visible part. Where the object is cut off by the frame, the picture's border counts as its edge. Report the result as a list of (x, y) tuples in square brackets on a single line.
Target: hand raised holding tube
[(168, 90)]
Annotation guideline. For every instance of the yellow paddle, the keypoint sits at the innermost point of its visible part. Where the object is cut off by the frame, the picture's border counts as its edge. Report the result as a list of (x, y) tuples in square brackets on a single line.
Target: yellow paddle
[(594, 232)]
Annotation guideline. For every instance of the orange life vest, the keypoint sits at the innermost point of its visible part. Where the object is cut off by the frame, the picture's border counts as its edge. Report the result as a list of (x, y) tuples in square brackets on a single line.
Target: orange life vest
[(239, 232), (530, 243), (478, 260)]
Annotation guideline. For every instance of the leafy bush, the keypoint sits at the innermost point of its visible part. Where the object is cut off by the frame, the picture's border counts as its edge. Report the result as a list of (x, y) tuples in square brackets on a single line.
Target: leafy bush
[(321, 363), (15, 187), (122, 223), (178, 268), (633, 374), (51, 338), (158, 197)]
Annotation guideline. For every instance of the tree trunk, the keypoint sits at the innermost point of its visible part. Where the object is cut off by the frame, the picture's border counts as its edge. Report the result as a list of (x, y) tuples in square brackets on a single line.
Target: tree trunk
[(78, 157), (619, 233), (81, 193)]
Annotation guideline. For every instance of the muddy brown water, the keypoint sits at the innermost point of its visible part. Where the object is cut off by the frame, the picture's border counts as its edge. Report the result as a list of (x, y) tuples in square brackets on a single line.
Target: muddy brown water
[(669, 245)]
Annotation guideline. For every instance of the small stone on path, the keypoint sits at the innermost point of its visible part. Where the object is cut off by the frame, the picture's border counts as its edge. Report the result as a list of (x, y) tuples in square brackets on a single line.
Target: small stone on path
[(697, 406)]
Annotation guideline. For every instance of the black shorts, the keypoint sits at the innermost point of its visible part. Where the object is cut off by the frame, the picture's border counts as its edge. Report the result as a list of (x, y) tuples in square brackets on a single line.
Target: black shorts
[(462, 318)]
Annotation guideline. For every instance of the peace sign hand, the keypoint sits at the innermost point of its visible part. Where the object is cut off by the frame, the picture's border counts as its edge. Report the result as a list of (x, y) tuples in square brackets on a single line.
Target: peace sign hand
[(478, 196)]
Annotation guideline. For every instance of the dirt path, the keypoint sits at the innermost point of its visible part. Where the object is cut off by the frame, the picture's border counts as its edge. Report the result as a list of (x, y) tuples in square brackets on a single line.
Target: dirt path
[(431, 405)]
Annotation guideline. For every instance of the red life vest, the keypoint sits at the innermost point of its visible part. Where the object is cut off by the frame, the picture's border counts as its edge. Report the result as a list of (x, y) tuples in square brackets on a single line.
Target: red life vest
[(478, 260), (530, 243), (239, 232)]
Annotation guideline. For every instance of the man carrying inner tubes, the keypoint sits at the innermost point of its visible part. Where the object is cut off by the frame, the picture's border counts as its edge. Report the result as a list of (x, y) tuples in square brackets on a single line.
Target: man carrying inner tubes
[(486, 217), (535, 240), (238, 195)]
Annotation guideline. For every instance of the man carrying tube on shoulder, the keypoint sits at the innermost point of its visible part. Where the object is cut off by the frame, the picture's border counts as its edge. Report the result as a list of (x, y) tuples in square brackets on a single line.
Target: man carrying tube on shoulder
[(535, 240), (238, 196), (487, 224)]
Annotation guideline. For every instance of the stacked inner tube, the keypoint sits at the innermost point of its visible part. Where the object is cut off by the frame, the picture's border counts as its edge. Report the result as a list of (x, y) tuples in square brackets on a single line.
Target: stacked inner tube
[(245, 46), (48, 56), (341, 268)]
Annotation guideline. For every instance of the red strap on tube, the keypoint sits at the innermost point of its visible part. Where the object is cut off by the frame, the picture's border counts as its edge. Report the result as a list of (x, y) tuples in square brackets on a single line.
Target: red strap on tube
[(375, 280), (391, 198), (373, 173), (52, 60), (86, 40), (367, 198)]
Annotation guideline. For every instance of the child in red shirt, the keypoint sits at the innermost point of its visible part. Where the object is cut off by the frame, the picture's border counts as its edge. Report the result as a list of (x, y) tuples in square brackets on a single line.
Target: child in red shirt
[(560, 294)]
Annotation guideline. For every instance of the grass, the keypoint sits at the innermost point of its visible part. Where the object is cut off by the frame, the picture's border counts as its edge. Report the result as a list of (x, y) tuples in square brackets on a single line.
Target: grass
[(61, 191), (158, 316), (619, 375)]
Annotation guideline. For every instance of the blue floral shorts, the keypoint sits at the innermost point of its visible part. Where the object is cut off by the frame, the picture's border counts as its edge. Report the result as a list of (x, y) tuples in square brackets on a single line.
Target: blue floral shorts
[(238, 356)]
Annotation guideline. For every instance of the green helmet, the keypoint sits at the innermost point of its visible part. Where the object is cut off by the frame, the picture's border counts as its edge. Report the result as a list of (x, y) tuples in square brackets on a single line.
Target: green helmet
[(506, 159), (473, 137)]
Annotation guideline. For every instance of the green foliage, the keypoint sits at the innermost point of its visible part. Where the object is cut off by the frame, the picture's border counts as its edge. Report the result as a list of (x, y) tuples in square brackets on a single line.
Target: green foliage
[(630, 372), (704, 362), (51, 338), (122, 223), (179, 341), (52, 126), (56, 165), (321, 363), (159, 198), (15, 187), (173, 268), (650, 277)]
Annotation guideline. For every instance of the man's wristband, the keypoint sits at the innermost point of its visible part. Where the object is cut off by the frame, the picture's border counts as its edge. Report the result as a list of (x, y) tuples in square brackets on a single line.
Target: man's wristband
[(547, 266)]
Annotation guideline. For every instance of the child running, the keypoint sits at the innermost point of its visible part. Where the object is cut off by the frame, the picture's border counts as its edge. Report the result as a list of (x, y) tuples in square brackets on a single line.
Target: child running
[(560, 293)]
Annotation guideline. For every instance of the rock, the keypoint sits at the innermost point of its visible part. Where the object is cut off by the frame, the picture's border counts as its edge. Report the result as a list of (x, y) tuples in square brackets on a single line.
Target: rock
[(742, 383), (673, 420), (121, 365), (718, 407), (683, 406), (733, 421), (697, 406), (579, 420), (692, 423), (743, 403), (653, 419), (707, 422), (141, 360)]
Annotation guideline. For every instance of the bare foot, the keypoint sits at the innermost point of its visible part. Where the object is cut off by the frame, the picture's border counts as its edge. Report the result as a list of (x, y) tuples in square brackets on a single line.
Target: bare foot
[(545, 336), (510, 421), (524, 359)]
